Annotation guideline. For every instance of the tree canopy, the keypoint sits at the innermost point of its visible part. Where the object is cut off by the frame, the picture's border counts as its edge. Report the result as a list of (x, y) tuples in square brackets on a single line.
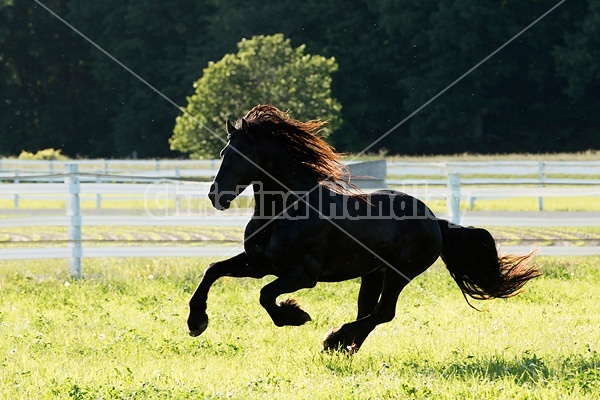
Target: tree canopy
[(540, 93), (266, 69)]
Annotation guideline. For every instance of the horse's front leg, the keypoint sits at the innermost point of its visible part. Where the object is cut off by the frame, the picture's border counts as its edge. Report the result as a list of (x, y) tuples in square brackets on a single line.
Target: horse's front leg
[(237, 267)]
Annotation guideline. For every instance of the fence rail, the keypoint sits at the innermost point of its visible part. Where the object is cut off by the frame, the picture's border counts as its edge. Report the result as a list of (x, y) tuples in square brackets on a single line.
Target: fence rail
[(173, 168), (512, 168), (101, 252)]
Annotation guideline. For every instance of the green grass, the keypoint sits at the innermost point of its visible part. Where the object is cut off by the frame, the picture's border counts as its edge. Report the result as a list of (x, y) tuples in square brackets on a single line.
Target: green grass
[(120, 333), (582, 203)]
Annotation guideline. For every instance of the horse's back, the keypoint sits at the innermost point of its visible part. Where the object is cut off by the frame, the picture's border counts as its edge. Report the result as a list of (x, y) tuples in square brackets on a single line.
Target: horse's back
[(415, 226)]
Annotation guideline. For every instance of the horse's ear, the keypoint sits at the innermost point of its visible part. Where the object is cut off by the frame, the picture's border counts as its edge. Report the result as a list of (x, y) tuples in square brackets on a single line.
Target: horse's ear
[(245, 128), (230, 127)]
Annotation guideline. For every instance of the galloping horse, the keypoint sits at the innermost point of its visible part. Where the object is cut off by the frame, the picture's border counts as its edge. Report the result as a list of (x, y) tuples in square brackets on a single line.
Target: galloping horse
[(308, 227)]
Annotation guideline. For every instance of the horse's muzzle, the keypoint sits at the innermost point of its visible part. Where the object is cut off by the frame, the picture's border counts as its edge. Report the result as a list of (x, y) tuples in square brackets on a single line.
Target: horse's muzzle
[(220, 201)]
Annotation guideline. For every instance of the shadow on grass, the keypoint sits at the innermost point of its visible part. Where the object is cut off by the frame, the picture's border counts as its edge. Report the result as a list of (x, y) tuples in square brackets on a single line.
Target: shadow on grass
[(581, 370)]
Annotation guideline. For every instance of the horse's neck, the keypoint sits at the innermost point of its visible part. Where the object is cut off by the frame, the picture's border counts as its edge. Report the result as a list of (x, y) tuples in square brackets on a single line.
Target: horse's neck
[(278, 191)]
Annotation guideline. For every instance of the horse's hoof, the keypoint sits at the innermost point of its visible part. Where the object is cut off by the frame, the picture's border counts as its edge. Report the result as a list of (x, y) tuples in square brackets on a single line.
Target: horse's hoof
[(339, 347), (199, 329), (334, 341), (331, 343)]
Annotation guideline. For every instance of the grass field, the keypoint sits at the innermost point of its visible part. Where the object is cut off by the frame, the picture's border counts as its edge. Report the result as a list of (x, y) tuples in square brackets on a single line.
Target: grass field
[(120, 333)]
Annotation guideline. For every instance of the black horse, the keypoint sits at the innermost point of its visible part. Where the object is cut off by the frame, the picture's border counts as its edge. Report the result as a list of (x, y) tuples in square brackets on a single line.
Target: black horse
[(307, 227)]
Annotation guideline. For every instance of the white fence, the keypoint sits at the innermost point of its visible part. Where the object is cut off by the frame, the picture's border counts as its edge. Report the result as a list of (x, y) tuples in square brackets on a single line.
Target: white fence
[(399, 173), (369, 174), (497, 173), (154, 168), (537, 169), (454, 191)]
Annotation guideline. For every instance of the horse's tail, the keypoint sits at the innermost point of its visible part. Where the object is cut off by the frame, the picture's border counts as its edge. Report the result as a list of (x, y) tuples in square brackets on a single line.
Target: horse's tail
[(471, 257)]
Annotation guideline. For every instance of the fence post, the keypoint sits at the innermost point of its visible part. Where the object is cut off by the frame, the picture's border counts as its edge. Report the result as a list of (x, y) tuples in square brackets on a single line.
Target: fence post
[(453, 198), (98, 195), (541, 176), (17, 180), (74, 216)]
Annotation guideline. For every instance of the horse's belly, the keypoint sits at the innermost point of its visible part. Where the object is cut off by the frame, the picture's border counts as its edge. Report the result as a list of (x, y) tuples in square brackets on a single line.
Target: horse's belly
[(363, 246), (352, 261)]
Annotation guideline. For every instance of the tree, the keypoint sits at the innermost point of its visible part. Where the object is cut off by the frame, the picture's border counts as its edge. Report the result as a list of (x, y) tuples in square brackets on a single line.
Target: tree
[(42, 82), (368, 67), (540, 93), (577, 61), (266, 69), (164, 43), (496, 105)]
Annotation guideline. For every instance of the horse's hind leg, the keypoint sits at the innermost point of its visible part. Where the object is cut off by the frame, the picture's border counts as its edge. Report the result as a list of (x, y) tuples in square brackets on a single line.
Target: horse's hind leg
[(419, 251), (237, 267), (351, 336), (368, 297), (369, 293)]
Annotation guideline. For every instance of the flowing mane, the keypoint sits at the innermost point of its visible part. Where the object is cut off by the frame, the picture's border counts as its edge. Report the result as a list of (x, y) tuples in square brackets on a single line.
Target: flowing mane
[(303, 141)]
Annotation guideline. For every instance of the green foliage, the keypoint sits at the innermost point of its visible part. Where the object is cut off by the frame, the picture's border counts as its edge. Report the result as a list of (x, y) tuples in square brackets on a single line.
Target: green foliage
[(265, 70), (512, 95), (577, 61), (46, 154), (539, 94), (120, 333), (163, 42)]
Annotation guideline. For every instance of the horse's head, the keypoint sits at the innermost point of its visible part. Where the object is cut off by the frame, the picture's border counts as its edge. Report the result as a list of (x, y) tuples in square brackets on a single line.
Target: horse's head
[(238, 166)]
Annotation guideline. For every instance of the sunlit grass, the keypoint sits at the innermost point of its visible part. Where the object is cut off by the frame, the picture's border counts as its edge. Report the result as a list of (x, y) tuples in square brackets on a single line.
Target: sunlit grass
[(120, 333), (582, 203)]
